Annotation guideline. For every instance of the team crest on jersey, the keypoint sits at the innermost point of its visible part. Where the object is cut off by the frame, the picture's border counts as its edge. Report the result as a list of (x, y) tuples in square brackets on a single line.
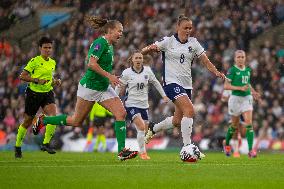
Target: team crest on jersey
[(97, 47), (146, 77), (189, 49), (177, 90)]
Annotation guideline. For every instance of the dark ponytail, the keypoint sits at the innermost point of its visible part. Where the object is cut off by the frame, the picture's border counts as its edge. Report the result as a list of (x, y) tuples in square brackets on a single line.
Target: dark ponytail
[(103, 24)]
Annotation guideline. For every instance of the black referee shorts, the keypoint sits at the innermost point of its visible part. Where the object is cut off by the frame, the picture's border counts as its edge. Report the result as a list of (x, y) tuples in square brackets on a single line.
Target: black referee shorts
[(35, 100)]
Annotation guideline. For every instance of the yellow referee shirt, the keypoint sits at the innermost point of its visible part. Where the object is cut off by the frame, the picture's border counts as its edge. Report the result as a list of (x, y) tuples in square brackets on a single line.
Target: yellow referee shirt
[(40, 68)]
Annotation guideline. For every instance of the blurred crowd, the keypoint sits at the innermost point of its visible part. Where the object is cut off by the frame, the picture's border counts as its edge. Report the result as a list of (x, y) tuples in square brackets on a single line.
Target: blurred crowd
[(220, 27)]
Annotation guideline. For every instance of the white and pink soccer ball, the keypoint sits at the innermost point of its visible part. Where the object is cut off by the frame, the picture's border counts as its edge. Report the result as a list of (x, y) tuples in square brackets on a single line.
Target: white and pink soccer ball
[(190, 153)]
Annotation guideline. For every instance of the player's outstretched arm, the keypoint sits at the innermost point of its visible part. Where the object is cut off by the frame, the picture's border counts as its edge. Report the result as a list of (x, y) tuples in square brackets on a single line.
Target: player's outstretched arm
[(120, 90), (150, 48), (204, 59)]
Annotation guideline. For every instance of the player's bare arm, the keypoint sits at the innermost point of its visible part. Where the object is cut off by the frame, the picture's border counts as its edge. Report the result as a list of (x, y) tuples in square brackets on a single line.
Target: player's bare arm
[(204, 59), (120, 89), (254, 93), (150, 48)]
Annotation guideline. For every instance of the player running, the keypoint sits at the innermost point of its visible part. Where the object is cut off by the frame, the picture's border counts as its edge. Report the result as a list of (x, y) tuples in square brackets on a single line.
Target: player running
[(135, 81), (241, 100), (95, 86), (178, 53)]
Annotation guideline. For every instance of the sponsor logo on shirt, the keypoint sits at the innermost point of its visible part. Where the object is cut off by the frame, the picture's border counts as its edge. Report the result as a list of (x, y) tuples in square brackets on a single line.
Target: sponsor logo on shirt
[(97, 47), (238, 73)]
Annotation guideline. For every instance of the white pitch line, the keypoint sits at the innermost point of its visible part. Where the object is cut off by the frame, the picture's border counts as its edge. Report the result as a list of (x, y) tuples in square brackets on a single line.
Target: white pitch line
[(121, 165)]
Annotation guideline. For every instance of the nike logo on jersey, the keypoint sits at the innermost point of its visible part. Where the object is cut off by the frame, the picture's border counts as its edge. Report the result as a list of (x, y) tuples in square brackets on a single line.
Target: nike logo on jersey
[(238, 73)]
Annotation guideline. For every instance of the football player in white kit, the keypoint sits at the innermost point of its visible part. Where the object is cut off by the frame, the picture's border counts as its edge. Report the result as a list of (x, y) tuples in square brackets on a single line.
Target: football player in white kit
[(135, 81), (178, 53)]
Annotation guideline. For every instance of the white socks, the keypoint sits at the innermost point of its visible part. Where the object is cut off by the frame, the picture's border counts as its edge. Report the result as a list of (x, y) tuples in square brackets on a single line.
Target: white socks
[(140, 140), (186, 130), (164, 125)]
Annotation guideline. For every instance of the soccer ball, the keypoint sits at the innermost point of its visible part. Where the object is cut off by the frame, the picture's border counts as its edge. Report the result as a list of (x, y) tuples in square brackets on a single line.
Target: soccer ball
[(190, 153)]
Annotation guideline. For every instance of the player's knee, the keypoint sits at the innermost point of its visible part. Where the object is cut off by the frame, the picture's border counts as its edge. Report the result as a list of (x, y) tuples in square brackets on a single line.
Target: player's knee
[(176, 123), (248, 122), (189, 112), (120, 115)]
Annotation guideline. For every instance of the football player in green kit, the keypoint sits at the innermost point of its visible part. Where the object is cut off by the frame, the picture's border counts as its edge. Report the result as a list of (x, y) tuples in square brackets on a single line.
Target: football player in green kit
[(241, 100), (39, 73), (95, 86)]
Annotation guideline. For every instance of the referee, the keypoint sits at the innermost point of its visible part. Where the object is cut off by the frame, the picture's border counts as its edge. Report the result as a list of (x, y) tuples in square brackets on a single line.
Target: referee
[(39, 73)]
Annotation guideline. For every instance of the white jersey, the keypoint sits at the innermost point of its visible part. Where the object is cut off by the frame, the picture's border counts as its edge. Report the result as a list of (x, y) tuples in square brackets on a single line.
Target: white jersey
[(178, 58), (137, 86)]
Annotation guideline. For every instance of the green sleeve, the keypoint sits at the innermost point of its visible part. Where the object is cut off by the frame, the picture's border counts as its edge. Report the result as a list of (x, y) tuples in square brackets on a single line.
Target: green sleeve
[(30, 66), (230, 74), (97, 48)]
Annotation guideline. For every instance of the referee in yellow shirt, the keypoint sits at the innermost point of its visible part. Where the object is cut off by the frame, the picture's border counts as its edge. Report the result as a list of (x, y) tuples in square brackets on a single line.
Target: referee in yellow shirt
[(39, 73)]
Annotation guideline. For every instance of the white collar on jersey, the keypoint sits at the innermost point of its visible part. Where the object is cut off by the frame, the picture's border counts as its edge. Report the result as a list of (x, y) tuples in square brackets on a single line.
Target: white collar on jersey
[(136, 71), (176, 36)]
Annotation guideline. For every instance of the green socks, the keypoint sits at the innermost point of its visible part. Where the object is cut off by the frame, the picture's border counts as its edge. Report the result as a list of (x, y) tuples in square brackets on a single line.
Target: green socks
[(249, 136), (49, 132), (120, 132), (55, 120), (20, 136), (229, 135)]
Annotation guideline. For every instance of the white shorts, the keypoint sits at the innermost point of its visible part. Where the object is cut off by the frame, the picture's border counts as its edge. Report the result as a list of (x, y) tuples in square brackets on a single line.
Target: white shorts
[(239, 104), (93, 95)]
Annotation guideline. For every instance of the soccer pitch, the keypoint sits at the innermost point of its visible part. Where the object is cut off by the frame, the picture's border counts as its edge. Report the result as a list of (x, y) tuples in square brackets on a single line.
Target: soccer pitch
[(164, 170)]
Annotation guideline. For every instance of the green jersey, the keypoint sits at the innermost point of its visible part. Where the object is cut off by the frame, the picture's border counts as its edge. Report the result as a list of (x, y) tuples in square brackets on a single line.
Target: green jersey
[(40, 68), (239, 77), (103, 52)]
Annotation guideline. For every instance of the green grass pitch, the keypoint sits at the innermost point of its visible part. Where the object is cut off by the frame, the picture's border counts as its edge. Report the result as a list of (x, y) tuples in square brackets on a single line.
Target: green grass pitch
[(101, 170)]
